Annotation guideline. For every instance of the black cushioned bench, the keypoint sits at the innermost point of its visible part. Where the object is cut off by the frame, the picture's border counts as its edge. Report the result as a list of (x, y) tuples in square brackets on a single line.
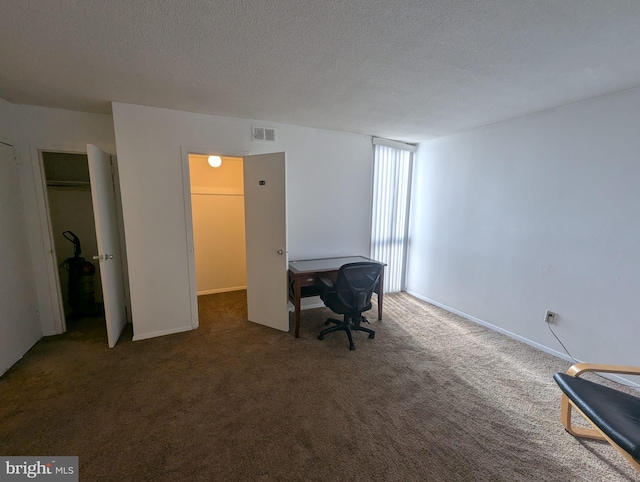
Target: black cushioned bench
[(614, 415)]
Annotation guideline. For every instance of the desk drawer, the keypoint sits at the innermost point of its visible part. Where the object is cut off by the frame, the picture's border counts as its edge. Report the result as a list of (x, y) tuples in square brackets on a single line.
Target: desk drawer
[(309, 280), (313, 279)]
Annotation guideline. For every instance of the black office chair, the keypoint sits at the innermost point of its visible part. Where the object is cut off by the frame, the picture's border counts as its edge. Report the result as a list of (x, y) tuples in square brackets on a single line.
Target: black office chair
[(350, 296)]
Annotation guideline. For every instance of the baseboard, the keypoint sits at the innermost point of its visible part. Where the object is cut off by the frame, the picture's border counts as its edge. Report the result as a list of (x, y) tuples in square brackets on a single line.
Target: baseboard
[(546, 349), (312, 303), (155, 334), (307, 307), (221, 290)]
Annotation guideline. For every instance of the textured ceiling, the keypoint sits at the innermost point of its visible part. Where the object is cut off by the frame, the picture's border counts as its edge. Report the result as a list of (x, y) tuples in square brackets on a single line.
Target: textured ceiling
[(404, 69)]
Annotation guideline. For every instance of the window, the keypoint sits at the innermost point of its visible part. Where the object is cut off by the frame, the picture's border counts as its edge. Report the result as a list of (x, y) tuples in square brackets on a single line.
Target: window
[(390, 213)]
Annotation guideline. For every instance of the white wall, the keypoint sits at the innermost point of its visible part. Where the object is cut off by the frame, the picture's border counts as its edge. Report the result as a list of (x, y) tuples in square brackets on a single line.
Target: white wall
[(40, 128), (537, 213), (328, 199), (6, 125), (19, 327), (19, 324)]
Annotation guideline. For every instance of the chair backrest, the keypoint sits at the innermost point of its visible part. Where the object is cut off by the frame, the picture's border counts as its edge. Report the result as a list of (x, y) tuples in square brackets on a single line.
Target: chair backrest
[(355, 284)]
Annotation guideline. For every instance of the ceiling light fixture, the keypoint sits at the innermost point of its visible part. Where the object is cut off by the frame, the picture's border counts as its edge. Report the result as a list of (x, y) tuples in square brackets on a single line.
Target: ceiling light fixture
[(214, 161)]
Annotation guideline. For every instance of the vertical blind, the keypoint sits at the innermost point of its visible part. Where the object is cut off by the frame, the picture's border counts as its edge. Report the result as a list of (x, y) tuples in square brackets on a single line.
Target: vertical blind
[(389, 226)]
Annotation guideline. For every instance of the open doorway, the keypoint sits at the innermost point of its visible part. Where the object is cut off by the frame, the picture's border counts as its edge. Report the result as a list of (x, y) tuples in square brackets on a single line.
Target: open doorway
[(263, 223), (73, 232), (218, 218)]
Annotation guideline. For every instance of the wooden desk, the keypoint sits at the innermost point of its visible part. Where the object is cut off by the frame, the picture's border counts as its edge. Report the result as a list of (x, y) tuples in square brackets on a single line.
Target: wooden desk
[(304, 279)]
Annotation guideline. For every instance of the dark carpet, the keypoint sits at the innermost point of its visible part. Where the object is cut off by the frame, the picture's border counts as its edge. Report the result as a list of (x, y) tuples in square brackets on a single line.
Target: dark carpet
[(433, 397)]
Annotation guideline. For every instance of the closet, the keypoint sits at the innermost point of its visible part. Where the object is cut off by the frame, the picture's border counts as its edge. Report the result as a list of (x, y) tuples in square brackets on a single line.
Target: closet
[(74, 233), (217, 204)]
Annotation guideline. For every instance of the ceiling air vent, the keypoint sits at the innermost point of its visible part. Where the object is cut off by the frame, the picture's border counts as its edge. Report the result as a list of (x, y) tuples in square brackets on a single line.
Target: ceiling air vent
[(263, 134)]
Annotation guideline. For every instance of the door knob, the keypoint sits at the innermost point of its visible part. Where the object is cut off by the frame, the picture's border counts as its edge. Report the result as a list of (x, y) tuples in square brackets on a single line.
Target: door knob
[(280, 251), (105, 256)]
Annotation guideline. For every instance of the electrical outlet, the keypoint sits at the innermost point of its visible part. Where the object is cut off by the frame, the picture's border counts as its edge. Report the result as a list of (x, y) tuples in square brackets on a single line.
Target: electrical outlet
[(550, 317)]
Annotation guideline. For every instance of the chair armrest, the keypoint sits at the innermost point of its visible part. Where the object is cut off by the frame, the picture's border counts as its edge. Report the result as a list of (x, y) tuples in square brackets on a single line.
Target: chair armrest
[(580, 368), (326, 283)]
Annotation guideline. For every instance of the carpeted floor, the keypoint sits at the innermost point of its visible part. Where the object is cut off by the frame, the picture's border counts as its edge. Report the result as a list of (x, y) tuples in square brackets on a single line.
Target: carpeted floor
[(433, 397)]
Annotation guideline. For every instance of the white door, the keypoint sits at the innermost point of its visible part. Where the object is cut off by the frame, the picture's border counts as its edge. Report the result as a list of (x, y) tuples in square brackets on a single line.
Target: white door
[(109, 252), (266, 239)]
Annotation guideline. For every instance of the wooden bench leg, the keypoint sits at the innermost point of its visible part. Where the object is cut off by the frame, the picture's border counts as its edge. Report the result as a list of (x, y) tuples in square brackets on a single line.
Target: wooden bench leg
[(565, 417), (593, 433)]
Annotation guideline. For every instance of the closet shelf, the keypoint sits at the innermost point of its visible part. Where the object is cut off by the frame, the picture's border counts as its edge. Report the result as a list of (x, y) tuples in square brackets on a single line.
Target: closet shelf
[(51, 183)]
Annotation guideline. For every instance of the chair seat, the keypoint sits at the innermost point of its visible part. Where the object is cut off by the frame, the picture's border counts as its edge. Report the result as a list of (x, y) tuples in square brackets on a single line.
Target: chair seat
[(616, 413), (337, 306)]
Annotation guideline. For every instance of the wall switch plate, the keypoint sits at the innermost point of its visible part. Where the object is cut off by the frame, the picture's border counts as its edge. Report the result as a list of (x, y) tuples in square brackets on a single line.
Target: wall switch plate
[(550, 317)]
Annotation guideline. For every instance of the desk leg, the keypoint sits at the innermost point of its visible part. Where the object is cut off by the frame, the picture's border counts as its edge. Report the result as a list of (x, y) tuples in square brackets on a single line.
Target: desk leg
[(380, 292), (296, 303)]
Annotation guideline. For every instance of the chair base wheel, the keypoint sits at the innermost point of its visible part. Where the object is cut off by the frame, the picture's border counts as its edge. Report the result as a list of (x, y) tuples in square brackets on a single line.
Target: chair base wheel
[(349, 325)]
